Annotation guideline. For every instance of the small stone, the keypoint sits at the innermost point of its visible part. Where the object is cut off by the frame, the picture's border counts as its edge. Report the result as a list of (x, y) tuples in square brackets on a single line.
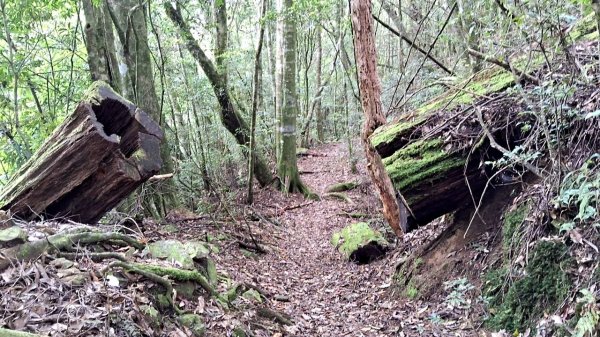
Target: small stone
[(75, 280), (252, 295), (194, 323), (62, 263), (186, 290), (12, 236)]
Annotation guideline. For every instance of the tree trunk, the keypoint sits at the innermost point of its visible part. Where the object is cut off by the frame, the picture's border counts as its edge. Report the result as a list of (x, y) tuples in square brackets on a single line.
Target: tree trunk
[(100, 45), (394, 212), (320, 122), (130, 22), (287, 166), (231, 119), (255, 101), (93, 160)]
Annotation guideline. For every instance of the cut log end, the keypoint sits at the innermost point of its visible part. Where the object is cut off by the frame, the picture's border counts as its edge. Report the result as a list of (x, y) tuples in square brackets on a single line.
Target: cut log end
[(101, 153)]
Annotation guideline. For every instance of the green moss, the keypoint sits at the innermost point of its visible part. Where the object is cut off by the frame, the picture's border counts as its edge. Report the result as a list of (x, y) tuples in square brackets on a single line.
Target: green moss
[(354, 236), (193, 322), (411, 291), (421, 161), (513, 221), (387, 133), (544, 286)]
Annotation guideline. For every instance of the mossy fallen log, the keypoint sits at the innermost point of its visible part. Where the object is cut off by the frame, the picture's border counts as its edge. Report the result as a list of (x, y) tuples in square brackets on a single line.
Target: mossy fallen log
[(101, 153), (435, 156)]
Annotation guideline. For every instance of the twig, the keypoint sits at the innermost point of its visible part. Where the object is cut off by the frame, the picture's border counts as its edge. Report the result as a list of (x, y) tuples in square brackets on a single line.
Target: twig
[(500, 148)]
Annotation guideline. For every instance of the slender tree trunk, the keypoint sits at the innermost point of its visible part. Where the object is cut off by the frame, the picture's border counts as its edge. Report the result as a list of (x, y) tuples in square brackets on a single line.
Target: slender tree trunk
[(230, 117), (278, 77), (318, 111), (287, 166), (255, 91), (130, 21), (100, 45), (370, 94)]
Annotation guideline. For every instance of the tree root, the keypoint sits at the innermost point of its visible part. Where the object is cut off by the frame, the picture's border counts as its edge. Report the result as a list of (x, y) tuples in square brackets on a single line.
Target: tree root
[(13, 333), (62, 242), (342, 187), (340, 196), (274, 315)]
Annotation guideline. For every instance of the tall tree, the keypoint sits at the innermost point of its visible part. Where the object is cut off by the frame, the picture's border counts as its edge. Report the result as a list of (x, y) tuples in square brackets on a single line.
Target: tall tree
[(287, 167), (100, 44), (230, 117), (130, 21), (370, 95)]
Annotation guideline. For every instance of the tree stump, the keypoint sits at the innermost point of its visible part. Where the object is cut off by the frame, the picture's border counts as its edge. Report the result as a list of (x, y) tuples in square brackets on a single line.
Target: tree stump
[(100, 154)]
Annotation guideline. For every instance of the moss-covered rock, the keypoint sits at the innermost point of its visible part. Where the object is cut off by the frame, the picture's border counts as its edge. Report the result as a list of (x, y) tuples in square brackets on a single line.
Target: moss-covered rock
[(359, 242), (183, 253), (12, 236), (252, 295), (194, 323), (544, 285)]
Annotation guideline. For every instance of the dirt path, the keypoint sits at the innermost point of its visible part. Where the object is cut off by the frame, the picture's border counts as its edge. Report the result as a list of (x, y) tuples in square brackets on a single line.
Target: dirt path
[(329, 296)]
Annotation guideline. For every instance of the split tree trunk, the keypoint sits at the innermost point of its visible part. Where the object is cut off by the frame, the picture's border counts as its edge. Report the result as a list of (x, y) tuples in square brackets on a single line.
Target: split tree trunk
[(394, 212), (93, 160)]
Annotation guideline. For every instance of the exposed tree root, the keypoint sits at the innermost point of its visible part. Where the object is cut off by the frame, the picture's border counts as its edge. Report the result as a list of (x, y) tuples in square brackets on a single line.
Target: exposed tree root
[(342, 187), (62, 242), (340, 196), (13, 333)]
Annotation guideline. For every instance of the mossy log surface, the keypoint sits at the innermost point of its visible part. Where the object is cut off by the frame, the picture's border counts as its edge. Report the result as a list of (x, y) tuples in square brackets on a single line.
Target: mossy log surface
[(100, 154), (431, 153)]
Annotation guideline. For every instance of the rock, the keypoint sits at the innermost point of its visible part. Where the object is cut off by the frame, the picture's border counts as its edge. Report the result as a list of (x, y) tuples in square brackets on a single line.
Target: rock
[(151, 315), (62, 263), (360, 243), (186, 290), (183, 253), (194, 323), (252, 295), (12, 236)]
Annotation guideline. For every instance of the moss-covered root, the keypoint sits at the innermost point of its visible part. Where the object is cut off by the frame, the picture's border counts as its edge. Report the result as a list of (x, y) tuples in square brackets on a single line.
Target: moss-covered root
[(13, 333), (180, 275), (342, 187), (62, 242), (340, 196), (149, 275)]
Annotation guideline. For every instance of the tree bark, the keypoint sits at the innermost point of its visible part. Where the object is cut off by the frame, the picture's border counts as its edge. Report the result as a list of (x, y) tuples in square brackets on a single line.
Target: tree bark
[(287, 168), (130, 22), (99, 155), (100, 45), (255, 101), (394, 212), (231, 119)]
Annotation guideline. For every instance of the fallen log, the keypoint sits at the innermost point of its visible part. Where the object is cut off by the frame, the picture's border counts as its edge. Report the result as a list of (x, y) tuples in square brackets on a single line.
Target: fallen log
[(101, 153), (435, 156)]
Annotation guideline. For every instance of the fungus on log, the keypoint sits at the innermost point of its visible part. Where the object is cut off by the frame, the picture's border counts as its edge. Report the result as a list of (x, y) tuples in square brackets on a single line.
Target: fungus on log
[(100, 154), (431, 153)]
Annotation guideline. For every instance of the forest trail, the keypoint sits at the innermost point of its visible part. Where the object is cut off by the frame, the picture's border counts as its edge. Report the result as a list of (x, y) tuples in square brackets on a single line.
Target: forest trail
[(328, 295)]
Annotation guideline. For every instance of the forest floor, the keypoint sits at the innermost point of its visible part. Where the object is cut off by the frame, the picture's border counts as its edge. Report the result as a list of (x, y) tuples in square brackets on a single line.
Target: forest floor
[(302, 277), (329, 295)]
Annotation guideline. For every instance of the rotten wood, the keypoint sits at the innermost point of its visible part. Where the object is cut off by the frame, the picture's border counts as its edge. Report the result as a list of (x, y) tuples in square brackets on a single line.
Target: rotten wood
[(100, 154)]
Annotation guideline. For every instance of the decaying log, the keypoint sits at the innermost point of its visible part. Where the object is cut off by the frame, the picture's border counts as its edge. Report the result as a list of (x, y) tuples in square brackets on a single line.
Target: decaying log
[(101, 153), (436, 155)]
